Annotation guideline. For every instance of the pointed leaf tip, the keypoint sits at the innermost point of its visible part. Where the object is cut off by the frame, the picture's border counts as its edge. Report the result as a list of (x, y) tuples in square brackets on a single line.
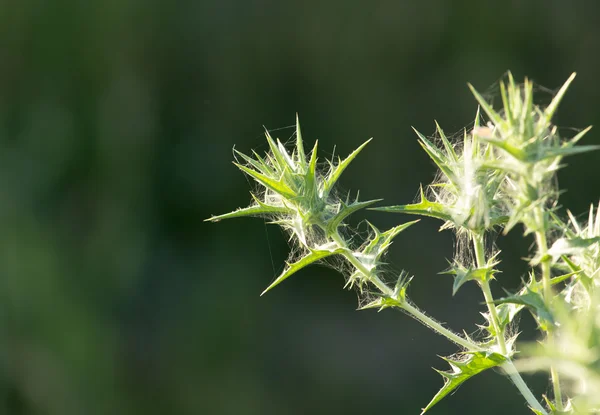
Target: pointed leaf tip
[(476, 363), (551, 109), (258, 210), (346, 211), (336, 171), (311, 257), (299, 142), (487, 108), (272, 184)]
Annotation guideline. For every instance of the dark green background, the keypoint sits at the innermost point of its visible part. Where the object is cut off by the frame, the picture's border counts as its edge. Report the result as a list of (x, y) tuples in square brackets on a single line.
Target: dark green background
[(117, 120)]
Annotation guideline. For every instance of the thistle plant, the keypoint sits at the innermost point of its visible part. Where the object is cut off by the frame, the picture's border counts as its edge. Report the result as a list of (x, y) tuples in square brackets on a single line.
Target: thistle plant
[(491, 179)]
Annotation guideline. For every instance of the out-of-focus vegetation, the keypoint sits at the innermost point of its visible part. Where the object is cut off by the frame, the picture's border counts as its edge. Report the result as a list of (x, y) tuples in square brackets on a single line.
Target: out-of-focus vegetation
[(116, 118)]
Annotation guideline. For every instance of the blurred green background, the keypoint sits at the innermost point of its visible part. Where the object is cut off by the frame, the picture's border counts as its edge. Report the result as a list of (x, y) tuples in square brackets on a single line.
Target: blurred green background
[(117, 121)]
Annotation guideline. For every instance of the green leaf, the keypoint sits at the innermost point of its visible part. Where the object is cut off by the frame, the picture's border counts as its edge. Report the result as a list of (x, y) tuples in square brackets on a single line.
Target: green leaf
[(438, 157), (576, 270), (505, 103), (561, 278), (257, 163), (463, 274), (382, 303), (356, 277), (275, 185), (336, 171), (475, 363), (526, 109), (397, 299), (567, 150), (281, 161), (312, 256), (579, 136), (382, 240), (514, 151), (260, 209), (551, 109), (401, 287), (531, 298), (310, 178), (502, 166), (506, 314), (574, 267), (299, 144), (570, 246), (494, 116), (346, 211), (265, 166), (449, 149), (423, 208)]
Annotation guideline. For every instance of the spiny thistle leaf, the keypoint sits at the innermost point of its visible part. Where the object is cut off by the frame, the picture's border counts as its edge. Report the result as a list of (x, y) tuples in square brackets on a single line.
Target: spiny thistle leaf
[(356, 278), (259, 210), (565, 151), (336, 171), (258, 163), (312, 164), (312, 256), (505, 103), (509, 310), (487, 108), (397, 299), (345, 211), (382, 303), (567, 246), (475, 363), (506, 314), (299, 143), (275, 185), (530, 297), (577, 270), (382, 240), (438, 157), (551, 109), (513, 150), (401, 287), (447, 145), (423, 208), (463, 274), (579, 136), (564, 277), (277, 152)]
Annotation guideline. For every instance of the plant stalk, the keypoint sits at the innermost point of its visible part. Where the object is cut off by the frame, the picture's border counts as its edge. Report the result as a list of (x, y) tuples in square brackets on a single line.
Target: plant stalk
[(508, 366), (513, 374), (542, 243), (409, 308), (479, 247)]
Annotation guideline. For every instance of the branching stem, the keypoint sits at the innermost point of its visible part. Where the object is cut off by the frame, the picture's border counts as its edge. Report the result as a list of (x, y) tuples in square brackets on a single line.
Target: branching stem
[(508, 366), (409, 308), (513, 374), (478, 244), (542, 243)]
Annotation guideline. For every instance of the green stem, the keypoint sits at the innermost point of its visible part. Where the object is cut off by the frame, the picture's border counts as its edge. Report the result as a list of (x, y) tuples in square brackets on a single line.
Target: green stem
[(542, 243), (508, 366), (489, 299), (513, 373), (437, 327), (479, 247), (409, 308)]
